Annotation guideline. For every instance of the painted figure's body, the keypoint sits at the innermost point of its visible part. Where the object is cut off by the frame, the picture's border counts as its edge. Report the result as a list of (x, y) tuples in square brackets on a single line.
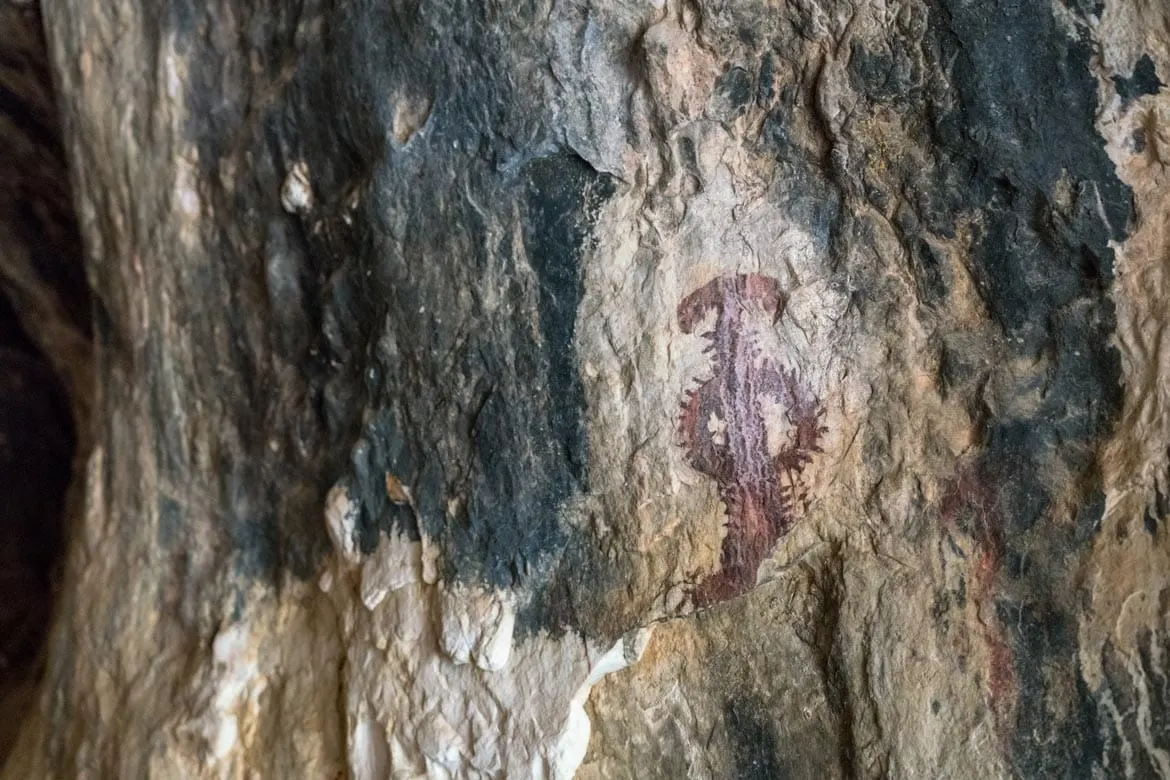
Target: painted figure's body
[(724, 426)]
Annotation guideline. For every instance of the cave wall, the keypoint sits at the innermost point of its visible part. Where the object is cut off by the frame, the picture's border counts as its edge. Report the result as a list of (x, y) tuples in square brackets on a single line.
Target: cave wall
[(45, 369), (628, 389)]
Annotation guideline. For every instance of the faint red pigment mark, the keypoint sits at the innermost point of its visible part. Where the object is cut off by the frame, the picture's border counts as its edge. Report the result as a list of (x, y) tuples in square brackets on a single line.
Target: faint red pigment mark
[(724, 427), (971, 496)]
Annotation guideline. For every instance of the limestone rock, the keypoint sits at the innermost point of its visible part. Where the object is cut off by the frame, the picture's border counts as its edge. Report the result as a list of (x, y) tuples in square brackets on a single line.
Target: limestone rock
[(665, 389)]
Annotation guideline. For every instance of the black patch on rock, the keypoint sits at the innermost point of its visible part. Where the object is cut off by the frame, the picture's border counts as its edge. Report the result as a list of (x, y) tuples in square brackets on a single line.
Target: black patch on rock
[(1123, 706), (478, 406), (733, 93), (1048, 743), (395, 327), (563, 192), (1143, 81), (801, 185), (754, 747), (36, 449), (881, 75), (382, 451), (528, 443), (1007, 108), (766, 81)]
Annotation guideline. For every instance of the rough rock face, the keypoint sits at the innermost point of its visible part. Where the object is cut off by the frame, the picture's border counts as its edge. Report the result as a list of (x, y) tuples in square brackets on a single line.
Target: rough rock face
[(44, 352), (797, 365)]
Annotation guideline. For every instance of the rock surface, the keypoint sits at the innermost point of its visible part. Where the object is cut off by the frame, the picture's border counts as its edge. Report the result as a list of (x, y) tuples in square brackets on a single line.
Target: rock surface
[(44, 357), (663, 389)]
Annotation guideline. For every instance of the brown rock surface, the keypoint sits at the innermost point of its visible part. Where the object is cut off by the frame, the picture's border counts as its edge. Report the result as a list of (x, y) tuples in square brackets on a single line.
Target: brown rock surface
[(396, 307)]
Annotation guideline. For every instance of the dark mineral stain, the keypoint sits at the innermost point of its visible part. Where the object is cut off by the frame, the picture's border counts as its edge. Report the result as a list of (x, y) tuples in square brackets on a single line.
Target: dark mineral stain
[(563, 193), (803, 187), (881, 75), (1128, 742), (561, 605), (1151, 523), (1138, 139), (384, 450), (734, 92), (754, 747), (394, 329), (766, 81), (528, 437), (1044, 744), (511, 521), (1012, 130), (170, 521), (1143, 81)]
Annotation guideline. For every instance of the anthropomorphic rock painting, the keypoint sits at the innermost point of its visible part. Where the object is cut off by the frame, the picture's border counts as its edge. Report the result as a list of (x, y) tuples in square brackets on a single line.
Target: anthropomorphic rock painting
[(726, 424)]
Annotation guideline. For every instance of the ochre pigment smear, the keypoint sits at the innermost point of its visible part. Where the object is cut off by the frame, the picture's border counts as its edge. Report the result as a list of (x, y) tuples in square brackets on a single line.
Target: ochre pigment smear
[(971, 506), (725, 422)]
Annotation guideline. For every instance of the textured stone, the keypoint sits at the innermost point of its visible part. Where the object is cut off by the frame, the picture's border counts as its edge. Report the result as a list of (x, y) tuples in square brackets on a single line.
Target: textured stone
[(637, 390)]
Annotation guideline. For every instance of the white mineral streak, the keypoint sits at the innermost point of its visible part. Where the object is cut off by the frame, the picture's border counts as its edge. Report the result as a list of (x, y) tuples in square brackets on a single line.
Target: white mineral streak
[(369, 752), (296, 194), (96, 517), (392, 566), (1129, 573), (186, 196), (477, 626), (574, 741), (341, 517), (430, 560), (237, 684), (438, 686)]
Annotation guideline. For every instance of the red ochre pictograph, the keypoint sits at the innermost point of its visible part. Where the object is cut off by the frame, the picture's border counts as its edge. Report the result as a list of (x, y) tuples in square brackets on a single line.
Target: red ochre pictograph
[(724, 425)]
